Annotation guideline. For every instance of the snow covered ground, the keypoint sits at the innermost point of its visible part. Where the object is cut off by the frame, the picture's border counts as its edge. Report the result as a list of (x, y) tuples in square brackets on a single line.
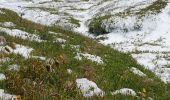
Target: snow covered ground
[(150, 46), (21, 34)]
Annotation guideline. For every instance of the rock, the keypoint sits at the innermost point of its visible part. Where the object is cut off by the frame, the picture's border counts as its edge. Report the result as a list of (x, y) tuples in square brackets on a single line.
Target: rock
[(125, 91), (8, 50), (5, 50), (89, 88), (2, 41)]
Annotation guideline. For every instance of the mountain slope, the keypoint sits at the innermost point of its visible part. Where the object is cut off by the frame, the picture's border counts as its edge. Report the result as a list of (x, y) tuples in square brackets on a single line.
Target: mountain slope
[(76, 57)]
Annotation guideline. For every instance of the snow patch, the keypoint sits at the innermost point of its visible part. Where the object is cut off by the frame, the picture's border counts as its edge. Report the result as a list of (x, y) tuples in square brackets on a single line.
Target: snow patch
[(54, 33), (5, 50), (3, 60), (88, 88), (40, 1), (5, 96), (137, 72), (150, 45), (2, 76), (93, 58), (14, 67), (125, 91), (1, 12), (8, 24), (60, 40), (39, 57), (76, 47), (23, 51), (69, 71), (21, 34)]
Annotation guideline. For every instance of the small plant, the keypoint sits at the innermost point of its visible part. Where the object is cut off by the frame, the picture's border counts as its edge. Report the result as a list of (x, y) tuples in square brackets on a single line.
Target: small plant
[(96, 28), (34, 81)]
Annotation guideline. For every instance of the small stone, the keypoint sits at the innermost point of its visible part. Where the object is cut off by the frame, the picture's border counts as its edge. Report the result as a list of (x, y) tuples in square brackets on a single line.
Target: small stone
[(8, 50), (69, 71), (2, 41)]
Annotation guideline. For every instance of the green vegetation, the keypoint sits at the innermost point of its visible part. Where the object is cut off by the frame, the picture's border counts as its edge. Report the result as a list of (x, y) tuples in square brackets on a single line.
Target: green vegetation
[(74, 21), (95, 25), (34, 81), (154, 8)]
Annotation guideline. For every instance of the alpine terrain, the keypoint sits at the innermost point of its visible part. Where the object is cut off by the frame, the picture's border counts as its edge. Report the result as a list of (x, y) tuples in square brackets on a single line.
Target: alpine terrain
[(84, 49)]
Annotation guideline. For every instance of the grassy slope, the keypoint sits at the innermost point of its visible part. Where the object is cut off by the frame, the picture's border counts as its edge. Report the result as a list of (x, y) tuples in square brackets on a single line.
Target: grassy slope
[(112, 75)]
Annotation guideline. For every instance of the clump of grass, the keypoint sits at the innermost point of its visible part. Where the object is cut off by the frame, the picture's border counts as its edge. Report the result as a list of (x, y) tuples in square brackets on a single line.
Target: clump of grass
[(95, 26), (34, 82), (154, 8), (75, 21), (88, 72)]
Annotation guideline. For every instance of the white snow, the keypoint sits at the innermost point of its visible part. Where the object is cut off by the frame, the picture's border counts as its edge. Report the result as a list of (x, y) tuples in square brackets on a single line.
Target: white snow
[(60, 40), (14, 67), (124, 91), (137, 72), (88, 88), (7, 24), (91, 57), (150, 46), (3, 60), (75, 47), (5, 96), (39, 57), (40, 1), (23, 51), (21, 34), (20, 49), (69, 71), (54, 33), (2, 76), (5, 50), (1, 12)]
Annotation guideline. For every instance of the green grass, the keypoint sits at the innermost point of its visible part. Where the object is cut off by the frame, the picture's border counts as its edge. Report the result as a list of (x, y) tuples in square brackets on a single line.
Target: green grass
[(95, 25), (74, 21), (154, 8), (113, 74)]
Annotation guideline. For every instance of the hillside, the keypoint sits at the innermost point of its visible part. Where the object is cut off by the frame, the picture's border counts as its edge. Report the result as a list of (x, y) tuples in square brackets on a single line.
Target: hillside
[(84, 49)]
